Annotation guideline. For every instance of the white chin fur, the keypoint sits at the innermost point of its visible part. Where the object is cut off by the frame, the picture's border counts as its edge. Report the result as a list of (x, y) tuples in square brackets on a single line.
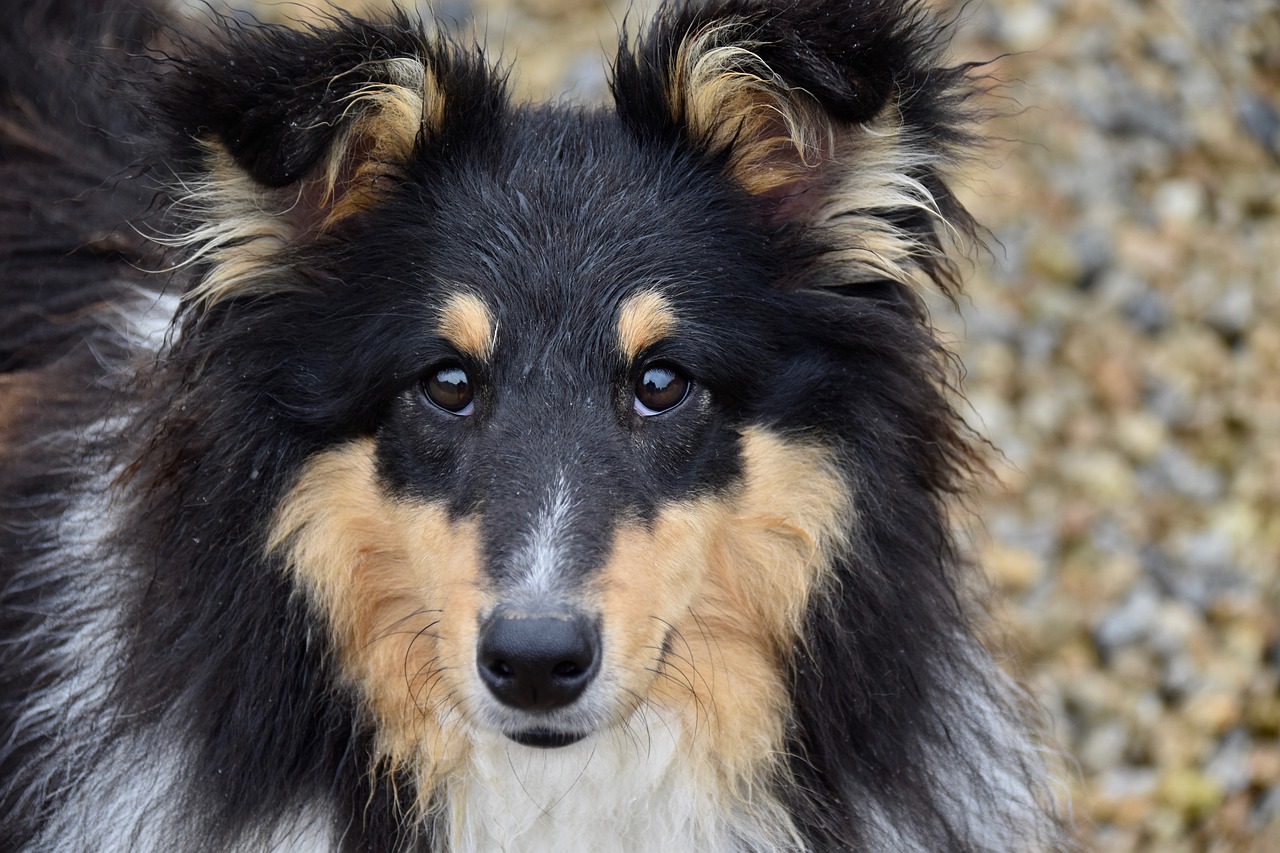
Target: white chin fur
[(629, 789)]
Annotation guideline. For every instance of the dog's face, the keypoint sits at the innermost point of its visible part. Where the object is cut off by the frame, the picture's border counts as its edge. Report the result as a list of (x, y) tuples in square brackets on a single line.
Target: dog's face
[(573, 421), (570, 504)]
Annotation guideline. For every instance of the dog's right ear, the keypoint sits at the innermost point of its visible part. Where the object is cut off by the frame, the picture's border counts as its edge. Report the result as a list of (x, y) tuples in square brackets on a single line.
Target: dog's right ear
[(284, 134), (833, 114)]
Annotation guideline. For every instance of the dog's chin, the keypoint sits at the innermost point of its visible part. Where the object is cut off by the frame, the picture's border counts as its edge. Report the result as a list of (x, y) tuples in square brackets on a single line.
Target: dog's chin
[(545, 738)]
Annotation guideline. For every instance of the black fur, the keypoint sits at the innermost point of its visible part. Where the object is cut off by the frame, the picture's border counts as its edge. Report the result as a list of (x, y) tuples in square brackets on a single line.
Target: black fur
[(555, 215)]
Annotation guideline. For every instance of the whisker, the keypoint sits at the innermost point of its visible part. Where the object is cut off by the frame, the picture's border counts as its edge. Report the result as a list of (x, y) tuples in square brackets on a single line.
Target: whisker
[(391, 630), (700, 708)]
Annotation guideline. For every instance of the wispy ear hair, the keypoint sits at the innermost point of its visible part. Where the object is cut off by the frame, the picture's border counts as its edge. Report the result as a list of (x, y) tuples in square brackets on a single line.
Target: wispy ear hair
[(835, 115), (292, 132)]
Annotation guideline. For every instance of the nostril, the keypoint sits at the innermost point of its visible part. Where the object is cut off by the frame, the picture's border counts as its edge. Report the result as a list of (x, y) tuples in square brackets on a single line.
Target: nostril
[(566, 669), (537, 663)]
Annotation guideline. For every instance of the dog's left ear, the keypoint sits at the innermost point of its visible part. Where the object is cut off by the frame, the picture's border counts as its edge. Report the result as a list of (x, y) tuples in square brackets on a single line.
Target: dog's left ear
[(832, 113)]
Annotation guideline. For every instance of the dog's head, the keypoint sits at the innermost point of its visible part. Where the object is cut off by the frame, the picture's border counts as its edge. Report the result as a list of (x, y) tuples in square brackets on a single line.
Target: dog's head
[(563, 412)]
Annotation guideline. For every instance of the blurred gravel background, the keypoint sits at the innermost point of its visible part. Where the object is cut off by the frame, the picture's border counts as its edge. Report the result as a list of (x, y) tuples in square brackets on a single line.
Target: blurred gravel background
[(1122, 340)]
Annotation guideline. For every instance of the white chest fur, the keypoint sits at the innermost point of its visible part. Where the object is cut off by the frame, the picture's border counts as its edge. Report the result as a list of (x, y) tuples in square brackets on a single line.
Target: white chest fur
[(629, 790)]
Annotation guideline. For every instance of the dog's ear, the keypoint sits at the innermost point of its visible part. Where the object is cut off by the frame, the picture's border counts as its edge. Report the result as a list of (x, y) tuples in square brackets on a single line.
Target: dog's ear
[(832, 113), (284, 134)]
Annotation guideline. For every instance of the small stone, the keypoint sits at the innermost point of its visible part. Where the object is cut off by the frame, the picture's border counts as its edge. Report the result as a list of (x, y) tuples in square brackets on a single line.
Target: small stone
[(1092, 248), (1114, 839), (1179, 202), (1169, 401), (1039, 340), (1233, 311), (1147, 709), (1207, 550), (1262, 120), (1267, 812), (1130, 621), (1262, 713), (1134, 667), (1264, 764), (1104, 475), (1091, 696), (1103, 747), (1180, 677), (1172, 628), (1026, 27), (1118, 383), (1174, 741), (1175, 470), (1141, 435), (1165, 827), (1229, 766), (1012, 568), (1149, 312), (1125, 794), (1055, 258), (1213, 711), (1044, 411), (1192, 793)]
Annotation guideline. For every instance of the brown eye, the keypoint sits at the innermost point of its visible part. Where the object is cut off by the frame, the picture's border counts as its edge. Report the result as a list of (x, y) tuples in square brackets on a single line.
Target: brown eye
[(450, 389), (659, 389)]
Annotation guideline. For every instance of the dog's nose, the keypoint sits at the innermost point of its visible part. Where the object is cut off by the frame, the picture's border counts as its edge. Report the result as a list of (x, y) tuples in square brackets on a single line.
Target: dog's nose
[(537, 663)]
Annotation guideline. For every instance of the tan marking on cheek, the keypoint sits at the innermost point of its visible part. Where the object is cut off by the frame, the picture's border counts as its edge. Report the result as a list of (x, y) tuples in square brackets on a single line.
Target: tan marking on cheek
[(398, 584), (466, 323), (790, 523), (729, 580), (650, 581), (645, 319)]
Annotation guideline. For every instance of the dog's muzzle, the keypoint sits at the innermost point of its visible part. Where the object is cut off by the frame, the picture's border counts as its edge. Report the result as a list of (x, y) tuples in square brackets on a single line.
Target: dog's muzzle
[(538, 663)]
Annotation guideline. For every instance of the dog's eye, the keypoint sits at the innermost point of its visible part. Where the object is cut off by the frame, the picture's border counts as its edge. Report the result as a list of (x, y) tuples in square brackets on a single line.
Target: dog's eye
[(659, 389), (449, 388)]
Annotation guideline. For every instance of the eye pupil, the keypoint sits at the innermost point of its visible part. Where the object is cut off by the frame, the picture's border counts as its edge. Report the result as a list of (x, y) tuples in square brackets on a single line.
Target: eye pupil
[(660, 389), (450, 389)]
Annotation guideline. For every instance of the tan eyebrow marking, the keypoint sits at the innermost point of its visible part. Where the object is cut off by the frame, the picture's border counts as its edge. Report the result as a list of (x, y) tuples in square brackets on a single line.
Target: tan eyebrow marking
[(466, 323), (645, 319)]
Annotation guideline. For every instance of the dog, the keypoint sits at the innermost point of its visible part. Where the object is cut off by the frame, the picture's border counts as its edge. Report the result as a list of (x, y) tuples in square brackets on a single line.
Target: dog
[(388, 465)]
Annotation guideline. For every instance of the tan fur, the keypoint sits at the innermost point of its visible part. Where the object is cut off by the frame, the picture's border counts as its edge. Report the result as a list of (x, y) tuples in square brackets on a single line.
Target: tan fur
[(246, 226), (244, 230), (465, 321), (730, 580), (645, 318), (400, 589), (729, 98), (782, 144), (399, 586), (871, 178), (392, 116)]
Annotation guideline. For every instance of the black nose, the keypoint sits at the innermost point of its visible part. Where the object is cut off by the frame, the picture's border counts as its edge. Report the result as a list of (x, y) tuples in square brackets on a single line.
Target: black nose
[(537, 663)]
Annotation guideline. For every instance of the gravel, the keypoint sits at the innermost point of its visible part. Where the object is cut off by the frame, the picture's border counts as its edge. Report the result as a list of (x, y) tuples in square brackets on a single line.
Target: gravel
[(1142, 193)]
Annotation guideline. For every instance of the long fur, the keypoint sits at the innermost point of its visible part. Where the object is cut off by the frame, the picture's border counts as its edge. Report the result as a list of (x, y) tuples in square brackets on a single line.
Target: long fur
[(246, 562)]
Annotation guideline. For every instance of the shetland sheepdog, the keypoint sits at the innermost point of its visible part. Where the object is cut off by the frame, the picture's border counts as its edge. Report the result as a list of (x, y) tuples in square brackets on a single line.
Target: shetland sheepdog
[(388, 465)]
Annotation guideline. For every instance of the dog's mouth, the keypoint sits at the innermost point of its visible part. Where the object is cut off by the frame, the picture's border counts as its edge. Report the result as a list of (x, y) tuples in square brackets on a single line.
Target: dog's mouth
[(545, 738)]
